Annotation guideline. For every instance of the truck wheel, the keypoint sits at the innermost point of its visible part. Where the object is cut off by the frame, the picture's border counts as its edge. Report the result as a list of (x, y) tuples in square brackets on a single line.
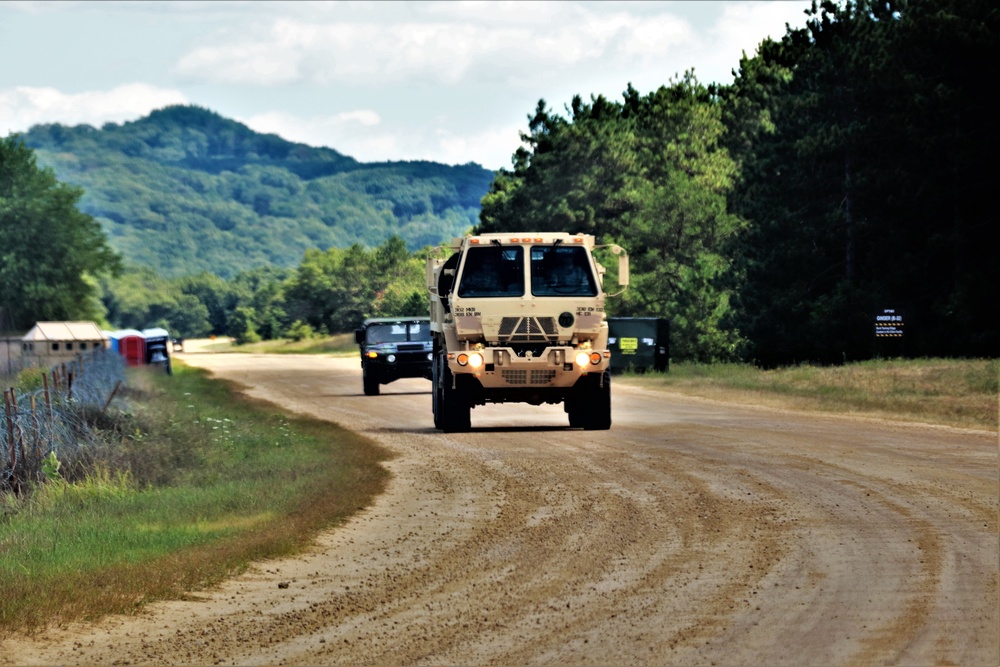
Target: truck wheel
[(576, 413), (597, 414), (436, 391), (454, 414), (371, 383)]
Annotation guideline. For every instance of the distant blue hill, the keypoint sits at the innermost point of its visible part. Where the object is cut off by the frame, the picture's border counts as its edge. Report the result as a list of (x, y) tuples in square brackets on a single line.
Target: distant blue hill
[(185, 190)]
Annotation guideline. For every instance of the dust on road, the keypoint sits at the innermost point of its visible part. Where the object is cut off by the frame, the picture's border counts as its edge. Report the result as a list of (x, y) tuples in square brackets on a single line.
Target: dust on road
[(693, 532)]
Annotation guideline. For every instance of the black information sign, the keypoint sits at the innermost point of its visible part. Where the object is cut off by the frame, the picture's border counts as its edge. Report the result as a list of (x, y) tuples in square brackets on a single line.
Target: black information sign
[(889, 323)]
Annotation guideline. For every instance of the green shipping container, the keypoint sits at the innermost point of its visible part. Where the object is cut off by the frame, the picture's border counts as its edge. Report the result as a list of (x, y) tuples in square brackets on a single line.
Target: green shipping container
[(639, 343)]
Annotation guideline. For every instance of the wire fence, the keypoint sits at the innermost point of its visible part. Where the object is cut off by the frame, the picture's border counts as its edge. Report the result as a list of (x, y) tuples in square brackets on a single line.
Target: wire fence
[(51, 419)]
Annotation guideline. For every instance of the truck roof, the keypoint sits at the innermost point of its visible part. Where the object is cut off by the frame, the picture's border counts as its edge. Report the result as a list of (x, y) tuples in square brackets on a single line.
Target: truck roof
[(526, 237), (390, 320)]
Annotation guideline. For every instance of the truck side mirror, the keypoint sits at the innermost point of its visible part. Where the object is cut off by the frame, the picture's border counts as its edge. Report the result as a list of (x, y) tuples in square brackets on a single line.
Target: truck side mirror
[(623, 270)]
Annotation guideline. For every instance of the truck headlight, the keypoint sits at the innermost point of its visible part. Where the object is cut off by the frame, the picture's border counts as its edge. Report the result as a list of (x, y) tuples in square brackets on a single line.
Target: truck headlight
[(474, 360), (391, 358)]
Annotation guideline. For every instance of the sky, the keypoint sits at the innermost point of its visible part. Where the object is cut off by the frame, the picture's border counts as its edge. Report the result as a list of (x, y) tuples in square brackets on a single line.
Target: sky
[(452, 82)]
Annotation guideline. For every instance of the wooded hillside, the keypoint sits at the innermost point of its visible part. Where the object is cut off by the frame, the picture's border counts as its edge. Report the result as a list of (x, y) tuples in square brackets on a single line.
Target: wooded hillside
[(185, 190)]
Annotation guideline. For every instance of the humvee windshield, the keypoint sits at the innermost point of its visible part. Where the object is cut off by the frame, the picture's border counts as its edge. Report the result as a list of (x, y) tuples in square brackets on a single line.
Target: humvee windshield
[(398, 333)]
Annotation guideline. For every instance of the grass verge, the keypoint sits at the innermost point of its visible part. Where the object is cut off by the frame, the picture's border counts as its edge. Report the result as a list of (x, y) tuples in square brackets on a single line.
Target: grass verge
[(952, 392), (205, 482)]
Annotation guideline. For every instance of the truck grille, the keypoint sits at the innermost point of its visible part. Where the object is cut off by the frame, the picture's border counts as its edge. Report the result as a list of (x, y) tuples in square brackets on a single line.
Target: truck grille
[(529, 377), (527, 330)]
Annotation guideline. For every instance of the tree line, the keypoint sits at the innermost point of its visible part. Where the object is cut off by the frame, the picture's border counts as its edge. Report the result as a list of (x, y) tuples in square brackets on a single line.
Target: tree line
[(845, 170)]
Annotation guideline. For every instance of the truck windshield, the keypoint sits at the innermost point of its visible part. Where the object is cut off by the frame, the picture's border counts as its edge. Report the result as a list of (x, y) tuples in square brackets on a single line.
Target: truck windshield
[(398, 333), (561, 270), (493, 271)]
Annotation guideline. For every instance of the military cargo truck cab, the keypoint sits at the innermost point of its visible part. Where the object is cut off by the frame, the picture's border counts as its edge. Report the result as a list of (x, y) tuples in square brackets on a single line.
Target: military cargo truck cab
[(520, 318)]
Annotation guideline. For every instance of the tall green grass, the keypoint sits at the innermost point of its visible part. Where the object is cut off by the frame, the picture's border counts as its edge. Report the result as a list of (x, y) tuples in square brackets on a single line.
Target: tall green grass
[(954, 392), (205, 482)]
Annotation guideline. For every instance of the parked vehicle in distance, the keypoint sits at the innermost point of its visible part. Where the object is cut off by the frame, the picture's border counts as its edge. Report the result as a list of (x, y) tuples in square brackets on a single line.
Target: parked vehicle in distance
[(393, 348), (158, 348)]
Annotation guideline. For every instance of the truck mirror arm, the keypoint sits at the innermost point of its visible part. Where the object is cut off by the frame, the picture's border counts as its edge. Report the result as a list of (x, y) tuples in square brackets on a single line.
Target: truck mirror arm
[(623, 266)]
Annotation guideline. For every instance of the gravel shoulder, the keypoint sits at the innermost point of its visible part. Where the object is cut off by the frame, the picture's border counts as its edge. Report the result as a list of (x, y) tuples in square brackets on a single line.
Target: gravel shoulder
[(692, 532)]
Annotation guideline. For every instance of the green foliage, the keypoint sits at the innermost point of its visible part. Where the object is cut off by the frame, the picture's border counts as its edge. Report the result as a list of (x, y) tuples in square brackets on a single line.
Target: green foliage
[(30, 379), (139, 299), (50, 251), (50, 467), (841, 173), (185, 191), (337, 289), (650, 174), (300, 331), (862, 139), (241, 326)]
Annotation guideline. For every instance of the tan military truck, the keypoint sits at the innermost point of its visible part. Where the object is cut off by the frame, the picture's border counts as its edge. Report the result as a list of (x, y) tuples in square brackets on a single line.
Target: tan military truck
[(520, 318)]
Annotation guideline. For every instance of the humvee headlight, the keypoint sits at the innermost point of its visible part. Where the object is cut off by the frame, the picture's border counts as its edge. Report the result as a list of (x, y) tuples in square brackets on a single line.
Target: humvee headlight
[(391, 358), (582, 359)]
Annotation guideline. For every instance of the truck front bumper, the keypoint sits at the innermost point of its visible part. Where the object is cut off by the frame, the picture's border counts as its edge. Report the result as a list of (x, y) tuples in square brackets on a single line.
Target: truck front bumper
[(502, 368)]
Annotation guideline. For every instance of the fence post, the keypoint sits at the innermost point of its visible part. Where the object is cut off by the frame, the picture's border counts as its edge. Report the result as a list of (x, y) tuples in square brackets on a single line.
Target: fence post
[(111, 397), (10, 436), (48, 398), (37, 428)]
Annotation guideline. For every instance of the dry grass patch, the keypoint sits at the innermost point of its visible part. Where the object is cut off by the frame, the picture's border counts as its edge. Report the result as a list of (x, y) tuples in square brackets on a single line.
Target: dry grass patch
[(952, 392)]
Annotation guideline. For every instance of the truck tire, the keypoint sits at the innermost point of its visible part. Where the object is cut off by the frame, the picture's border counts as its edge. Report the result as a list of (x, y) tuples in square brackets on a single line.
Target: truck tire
[(371, 383), (576, 410), (436, 391), (453, 413), (597, 402)]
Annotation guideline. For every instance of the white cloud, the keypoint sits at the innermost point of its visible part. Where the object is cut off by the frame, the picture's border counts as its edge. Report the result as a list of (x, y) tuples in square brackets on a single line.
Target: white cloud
[(24, 106), (743, 26), (245, 63), (454, 43), (306, 130), (362, 135)]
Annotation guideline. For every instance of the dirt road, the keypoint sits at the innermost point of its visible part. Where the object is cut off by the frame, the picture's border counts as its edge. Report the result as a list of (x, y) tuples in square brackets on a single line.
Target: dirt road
[(693, 532)]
